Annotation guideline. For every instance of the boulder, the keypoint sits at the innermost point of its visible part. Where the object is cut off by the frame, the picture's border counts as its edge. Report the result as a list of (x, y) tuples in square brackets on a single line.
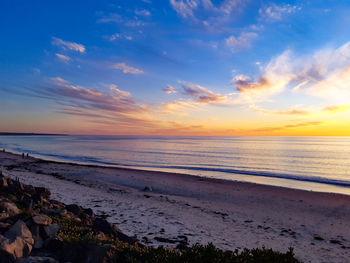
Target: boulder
[(4, 216), (55, 212), (3, 182), (10, 208), (103, 226), (42, 220), (21, 230), (51, 230), (17, 241), (75, 209), (38, 241), (14, 187), (4, 226), (44, 192)]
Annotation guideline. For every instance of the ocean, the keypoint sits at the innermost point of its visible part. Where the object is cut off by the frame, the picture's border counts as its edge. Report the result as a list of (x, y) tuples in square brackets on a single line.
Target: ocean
[(310, 163)]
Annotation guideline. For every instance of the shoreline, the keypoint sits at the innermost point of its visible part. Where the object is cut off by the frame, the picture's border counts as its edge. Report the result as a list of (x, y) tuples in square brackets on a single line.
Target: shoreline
[(279, 182), (150, 204)]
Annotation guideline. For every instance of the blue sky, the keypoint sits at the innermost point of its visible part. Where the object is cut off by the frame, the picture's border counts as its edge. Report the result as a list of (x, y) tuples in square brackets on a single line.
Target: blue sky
[(199, 67)]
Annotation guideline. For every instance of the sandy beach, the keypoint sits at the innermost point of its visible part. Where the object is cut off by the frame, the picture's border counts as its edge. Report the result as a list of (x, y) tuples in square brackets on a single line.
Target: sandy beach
[(165, 208)]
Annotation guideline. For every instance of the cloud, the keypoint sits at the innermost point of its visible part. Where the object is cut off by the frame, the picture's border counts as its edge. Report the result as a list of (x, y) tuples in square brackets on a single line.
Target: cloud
[(289, 126), (185, 8), (337, 108), (196, 95), (119, 36), (207, 14), (201, 94), (66, 45), (296, 112), (142, 12), (118, 19), (111, 18), (169, 89), (243, 41), (273, 12), (127, 69), (118, 91), (326, 74), (63, 57)]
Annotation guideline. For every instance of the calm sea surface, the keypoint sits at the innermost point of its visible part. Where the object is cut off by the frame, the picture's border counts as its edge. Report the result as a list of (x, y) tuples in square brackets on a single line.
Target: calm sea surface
[(312, 163)]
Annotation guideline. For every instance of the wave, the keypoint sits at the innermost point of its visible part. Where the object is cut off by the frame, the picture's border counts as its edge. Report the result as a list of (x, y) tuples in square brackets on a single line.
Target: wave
[(171, 168)]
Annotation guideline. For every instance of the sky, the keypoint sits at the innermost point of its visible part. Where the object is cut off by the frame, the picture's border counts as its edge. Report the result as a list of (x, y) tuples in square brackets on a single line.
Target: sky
[(175, 67)]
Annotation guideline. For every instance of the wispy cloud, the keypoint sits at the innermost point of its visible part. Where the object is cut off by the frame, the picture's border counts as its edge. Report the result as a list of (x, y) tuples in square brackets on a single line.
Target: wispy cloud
[(324, 74), (293, 111), (66, 45), (169, 89), (111, 18), (337, 108), (206, 13), (185, 8), (242, 41), (289, 126), (201, 94), (274, 12), (142, 12), (127, 69), (63, 57), (196, 96), (119, 36)]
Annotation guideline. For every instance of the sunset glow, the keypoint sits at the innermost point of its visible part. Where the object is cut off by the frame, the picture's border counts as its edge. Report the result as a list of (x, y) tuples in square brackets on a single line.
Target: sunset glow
[(177, 67)]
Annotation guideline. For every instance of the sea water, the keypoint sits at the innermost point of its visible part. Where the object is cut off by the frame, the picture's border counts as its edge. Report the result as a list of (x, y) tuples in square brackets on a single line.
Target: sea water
[(311, 163)]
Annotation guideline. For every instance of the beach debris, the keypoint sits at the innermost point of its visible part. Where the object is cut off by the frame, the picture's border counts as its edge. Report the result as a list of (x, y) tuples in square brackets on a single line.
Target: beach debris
[(317, 237), (335, 241), (147, 189)]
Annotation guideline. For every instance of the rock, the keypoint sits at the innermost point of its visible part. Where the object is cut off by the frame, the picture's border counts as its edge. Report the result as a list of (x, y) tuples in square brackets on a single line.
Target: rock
[(75, 209), (3, 182), (55, 212), (4, 226), (43, 192), (38, 241), (27, 203), (21, 230), (10, 208), (89, 212), (17, 242), (4, 216), (42, 220), (36, 260), (14, 187), (29, 189), (51, 230), (147, 189), (103, 226)]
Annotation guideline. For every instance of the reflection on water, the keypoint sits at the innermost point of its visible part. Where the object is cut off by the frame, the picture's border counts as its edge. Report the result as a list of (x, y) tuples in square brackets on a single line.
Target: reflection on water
[(314, 163)]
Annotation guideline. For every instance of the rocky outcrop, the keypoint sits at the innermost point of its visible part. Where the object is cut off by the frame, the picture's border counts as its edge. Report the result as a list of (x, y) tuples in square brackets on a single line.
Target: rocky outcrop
[(34, 228)]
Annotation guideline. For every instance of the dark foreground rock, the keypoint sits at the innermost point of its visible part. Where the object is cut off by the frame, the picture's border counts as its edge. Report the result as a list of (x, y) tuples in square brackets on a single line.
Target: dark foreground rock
[(34, 228)]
